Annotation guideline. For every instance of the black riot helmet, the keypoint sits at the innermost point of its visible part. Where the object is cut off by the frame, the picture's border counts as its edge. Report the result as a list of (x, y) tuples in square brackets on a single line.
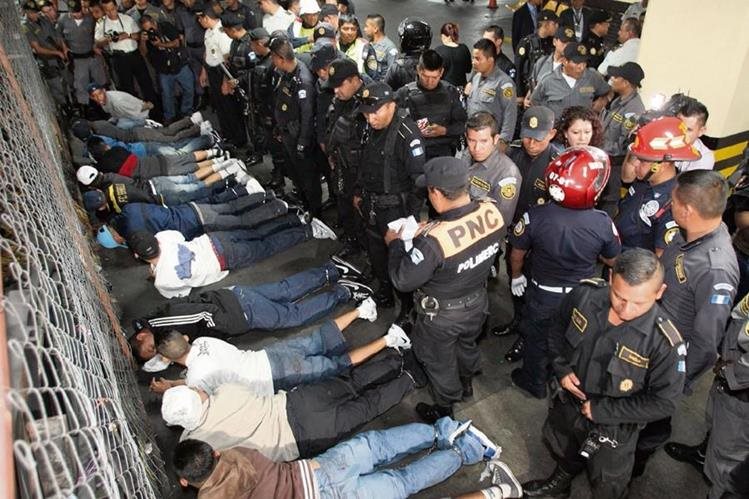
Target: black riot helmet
[(415, 34)]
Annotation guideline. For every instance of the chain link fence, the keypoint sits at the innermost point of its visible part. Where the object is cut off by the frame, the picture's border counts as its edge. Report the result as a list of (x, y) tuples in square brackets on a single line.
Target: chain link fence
[(71, 417)]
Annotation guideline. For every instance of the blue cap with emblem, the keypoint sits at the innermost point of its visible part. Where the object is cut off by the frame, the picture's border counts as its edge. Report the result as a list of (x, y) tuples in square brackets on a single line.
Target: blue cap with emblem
[(445, 172), (374, 96)]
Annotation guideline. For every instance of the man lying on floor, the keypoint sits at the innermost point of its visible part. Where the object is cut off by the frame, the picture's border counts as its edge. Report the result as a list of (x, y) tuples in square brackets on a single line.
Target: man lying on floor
[(300, 423), (178, 265), (353, 468), (318, 354), (237, 310)]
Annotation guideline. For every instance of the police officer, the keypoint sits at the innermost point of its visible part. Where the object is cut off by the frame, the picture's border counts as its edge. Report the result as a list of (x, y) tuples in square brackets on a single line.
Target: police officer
[(435, 105), (243, 12), (77, 30), (49, 48), (545, 65), (701, 278), (346, 127), (492, 91), (447, 269), (294, 111), (415, 37), (194, 38), (598, 24), (555, 92), (618, 363), (644, 219), (565, 239), (532, 48), (392, 158)]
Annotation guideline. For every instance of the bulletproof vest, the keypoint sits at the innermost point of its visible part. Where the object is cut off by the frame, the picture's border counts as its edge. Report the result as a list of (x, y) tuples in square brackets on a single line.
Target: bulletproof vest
[(468, 246), (395, 178), (435, 105), (345, 133), (403, 72)]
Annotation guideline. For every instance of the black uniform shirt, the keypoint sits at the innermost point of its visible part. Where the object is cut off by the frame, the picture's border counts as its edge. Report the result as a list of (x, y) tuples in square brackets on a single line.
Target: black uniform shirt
[(644, 219), (595, 50), (530, 49), (565, 243), (701, 279), (295, 104), (631, 373), (533, 171)]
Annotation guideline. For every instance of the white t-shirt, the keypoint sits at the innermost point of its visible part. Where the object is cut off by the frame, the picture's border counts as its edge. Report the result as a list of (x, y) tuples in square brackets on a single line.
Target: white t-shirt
[(281, 19), (213, 362), (627, 52), (123, 24), (706, 162), (217, 45), (124, 105), (184, 265)]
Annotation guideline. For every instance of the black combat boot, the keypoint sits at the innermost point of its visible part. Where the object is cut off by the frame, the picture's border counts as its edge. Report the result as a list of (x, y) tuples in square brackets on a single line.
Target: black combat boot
[(557, 485)]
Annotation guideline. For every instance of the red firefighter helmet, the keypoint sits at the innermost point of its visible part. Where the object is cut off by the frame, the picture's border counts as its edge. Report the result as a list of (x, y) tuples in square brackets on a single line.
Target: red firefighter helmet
[(664, 139), (576, 178)]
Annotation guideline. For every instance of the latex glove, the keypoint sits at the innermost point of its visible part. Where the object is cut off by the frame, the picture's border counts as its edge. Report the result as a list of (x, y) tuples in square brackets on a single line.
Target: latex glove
[(518, 285)]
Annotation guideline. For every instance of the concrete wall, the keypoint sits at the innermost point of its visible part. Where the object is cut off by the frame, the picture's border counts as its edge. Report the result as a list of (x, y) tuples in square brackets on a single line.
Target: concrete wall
[(700, 48)]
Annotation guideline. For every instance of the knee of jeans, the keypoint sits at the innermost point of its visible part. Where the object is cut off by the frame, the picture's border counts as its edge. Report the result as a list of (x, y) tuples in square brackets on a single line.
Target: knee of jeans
[(443, 428)]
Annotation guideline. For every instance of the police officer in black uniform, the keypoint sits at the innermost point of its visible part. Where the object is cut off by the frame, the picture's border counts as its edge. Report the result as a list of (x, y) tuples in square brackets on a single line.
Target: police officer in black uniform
[(565, 239), (532, 48), (447, 268), (618, 363), (435, 105), (598, 23), (295, 121), (346, 127), (243, 12), (392, 158), (415, 36)]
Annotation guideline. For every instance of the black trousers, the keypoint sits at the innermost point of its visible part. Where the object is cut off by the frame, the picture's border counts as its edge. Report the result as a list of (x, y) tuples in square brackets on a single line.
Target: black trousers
[(348, 218), (305, 173), (228, 109), (446, 347), (322, 414), (376, 220), (129, 68)]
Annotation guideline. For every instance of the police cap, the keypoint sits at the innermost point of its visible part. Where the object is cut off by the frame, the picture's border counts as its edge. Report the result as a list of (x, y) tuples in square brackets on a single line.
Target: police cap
[(576, 52), (259, 33), (340, 69), (537, 122), (374, 96), (599, 16), (93, 200), (321, 56), (328, 10), (231, 20), (323, 30), (565, 34), (93, 87), (630, 71), (445, 172), (547, 15), (204, 9), (74, 6)]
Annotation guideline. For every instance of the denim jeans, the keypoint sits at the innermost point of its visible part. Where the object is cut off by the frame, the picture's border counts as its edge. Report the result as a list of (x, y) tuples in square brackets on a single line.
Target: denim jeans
[(176, 194), (348, 469), (178, 183), (241, 248), (128, 123), (308, 358), (245, 212), (185, 145), (286, 303), (185, 79)]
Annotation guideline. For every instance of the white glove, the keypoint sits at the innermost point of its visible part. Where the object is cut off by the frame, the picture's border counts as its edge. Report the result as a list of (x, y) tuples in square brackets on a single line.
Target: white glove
[(518, 285)]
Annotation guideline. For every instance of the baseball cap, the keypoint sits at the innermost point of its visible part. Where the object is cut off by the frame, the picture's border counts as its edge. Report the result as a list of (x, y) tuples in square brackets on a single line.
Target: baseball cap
[(144, 244), (576, 52), (323, 30), (181, 406), (231, 20), (328, 10), (537, 122), (204, 9), (565, 34), (259, 33), (93, 200), (339, 70), (105, 237), (86, 174), (630, 71), (445, 172), (374, 96), (547, 15), (308, 7), (93, 87), (74, 5), (599, 16)]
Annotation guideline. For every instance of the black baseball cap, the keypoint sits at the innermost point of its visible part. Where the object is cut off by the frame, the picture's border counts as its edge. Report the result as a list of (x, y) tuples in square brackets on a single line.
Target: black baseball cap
[(374, 96), (339, 70), (204, 9), (548, 15), (321, 56), (144, 244), (231, 20), (565, 34), (630, 71), (94, 199), (599, 16), (537, 122), (323, 30), (445, 172), (576, 52), (259, 33)]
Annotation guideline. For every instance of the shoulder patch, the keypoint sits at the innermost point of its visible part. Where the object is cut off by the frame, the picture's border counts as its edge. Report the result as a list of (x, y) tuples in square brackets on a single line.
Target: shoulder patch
[(507, 93), (416, 256), (579, 320), (595, 282), (668, 330), (508, 191), (669, 235)]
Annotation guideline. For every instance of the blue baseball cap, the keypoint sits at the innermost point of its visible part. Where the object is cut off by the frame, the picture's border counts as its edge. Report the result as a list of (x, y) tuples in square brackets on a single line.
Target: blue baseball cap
[(106, 239)]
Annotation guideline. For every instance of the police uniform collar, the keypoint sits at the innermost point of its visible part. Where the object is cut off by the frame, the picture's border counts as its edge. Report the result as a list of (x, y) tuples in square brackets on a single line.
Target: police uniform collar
[(492, 159), (710, 235), (644, 323), (494, 73), (458, 212), (624, 100)]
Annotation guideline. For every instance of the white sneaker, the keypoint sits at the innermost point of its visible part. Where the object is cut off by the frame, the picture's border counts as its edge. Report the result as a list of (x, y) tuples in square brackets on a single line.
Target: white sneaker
[(397, 338), (206, 128), (321, 231), (368, 311), (231, 167), (491, 450), (152, 124), (197, 117), (253, 186)]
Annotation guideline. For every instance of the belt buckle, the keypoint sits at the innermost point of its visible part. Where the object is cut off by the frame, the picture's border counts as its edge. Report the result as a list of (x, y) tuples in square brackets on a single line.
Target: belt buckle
[(430, 306)]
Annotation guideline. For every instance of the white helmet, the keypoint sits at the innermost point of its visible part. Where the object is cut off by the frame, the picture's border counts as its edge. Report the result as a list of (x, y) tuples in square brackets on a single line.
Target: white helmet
[(86, 174)]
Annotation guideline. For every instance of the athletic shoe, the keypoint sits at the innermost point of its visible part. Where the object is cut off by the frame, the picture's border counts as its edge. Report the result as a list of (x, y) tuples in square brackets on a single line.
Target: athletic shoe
[(304, 216), (491, 450), (354, 286), (206, 128), (397, 338), (197, 117), (253, 186), (346, 269), (152, 124), (503, 478), (322, 231), (367, 310), (213, 133)]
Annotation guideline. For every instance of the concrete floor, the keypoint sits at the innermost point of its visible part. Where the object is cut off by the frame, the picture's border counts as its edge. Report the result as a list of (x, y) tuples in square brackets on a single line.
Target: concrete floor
[(512, 419)]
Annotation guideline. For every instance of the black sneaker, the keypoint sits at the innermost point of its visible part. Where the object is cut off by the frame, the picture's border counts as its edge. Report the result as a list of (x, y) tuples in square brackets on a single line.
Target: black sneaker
[(431, 413), (356, 287), (691, 454), (515, 353), (413, 369), (346, 269)]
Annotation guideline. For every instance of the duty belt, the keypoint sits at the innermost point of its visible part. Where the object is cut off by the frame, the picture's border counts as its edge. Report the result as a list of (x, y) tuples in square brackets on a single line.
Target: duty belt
[(552, 289), (722, 386), (431, 306)]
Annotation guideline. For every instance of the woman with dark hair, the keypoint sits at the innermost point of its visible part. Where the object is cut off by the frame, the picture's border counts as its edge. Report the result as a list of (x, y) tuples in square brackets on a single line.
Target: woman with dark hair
[(579, 126), (456, 55)]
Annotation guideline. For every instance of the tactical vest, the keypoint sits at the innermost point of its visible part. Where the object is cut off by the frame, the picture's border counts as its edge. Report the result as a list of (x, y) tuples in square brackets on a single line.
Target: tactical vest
[(395, 178), (434, 105), (238, 55), (403, 71), (345, 134), (468, 245)]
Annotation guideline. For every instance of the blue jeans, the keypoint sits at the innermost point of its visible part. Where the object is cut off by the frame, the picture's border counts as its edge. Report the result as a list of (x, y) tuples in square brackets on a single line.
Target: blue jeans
[(308, 358), (178, 184), (240, 248), (348, 469), (185, 79), (283, 304), (128, 123), (185, 145)]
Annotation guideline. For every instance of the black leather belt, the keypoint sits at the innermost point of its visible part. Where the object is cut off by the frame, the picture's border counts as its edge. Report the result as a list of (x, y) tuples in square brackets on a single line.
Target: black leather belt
[(431, 305), (121, 53)]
